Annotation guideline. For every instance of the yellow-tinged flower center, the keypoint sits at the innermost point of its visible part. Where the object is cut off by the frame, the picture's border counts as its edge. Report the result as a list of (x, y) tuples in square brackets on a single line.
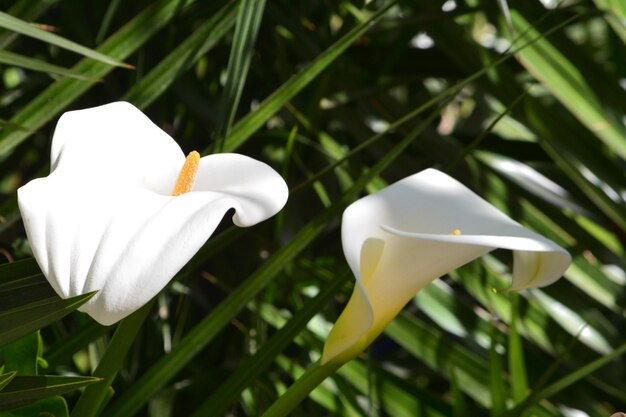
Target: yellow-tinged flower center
[(187, 176), (456, 232)]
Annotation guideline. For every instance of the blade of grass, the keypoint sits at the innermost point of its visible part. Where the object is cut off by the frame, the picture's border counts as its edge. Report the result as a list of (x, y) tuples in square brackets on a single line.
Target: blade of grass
[(24, 390), (19, 322), (25, 10), (6, 378), (18, 270), (17, 25), (246, 30), (10, 58), (106, 20)]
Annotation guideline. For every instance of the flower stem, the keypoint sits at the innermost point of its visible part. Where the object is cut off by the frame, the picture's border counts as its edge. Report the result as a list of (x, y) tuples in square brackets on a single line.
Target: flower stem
[(300, 389), (95, 396)]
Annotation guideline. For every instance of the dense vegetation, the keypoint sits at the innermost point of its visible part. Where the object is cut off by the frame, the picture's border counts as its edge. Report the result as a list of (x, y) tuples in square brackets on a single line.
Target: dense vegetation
[(523, 102)]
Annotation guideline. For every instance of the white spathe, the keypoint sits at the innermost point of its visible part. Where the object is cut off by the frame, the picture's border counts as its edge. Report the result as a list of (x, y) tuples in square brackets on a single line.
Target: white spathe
[(105, 219), (405, 236)]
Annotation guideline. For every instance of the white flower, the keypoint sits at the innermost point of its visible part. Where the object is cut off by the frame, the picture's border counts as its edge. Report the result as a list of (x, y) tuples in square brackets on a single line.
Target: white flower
[(106, 219), (400, 239)]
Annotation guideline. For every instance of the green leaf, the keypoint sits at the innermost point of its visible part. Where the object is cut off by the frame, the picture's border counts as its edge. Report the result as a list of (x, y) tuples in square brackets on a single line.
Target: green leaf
[(13, 59), (20, 292), (22, 320), (25, 390), (106, 20), (26, 10), (5, 378), (246, 30), (17, 25), (18, 269), (21, 356)]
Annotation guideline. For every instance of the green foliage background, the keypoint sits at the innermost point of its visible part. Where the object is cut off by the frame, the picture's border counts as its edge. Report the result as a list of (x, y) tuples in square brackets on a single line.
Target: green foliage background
[(523, 102)]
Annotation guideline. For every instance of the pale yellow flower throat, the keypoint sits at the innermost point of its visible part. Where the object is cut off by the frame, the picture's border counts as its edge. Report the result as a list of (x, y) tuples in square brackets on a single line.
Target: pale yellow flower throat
[(187, 176)]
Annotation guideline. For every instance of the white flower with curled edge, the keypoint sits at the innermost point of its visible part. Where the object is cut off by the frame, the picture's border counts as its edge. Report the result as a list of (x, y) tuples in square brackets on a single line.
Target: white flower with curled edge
[(122, 210), (398, 240)]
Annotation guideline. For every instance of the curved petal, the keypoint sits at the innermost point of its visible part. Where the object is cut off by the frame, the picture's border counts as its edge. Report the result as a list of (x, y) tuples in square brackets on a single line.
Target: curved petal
[(259, 189), (107, 222), (127, 245), (411, 222), (115, 144), (537, 261), (138, 254)]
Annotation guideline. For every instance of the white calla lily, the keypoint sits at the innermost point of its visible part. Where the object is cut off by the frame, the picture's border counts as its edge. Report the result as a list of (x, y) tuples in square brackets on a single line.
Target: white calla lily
[(106, 219), (399, 239)]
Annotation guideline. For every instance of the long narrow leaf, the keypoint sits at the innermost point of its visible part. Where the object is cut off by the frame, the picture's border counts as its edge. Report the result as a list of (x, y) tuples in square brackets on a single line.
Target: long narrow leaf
[(246, 30), (18, 270), (5, 379), (17, 25), (24, 390), (29, 10), (30, 317), (10, 58)]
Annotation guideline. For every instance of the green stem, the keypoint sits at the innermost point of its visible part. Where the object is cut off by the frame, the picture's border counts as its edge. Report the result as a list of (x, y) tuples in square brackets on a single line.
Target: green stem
[(300, 389), (94, 397)]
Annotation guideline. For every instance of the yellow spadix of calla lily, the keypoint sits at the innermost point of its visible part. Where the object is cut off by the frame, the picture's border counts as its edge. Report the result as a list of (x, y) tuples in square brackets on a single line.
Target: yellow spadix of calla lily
[(123, 210), (398, 240)]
